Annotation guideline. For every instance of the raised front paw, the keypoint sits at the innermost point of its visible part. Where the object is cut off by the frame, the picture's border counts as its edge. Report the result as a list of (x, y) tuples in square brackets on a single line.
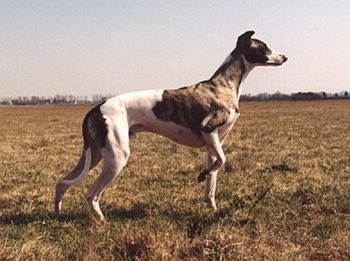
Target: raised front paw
[(202, 175)]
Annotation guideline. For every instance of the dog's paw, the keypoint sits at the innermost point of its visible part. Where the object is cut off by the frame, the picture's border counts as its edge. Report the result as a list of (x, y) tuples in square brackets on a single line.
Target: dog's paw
[(211, 204), (202, 175)]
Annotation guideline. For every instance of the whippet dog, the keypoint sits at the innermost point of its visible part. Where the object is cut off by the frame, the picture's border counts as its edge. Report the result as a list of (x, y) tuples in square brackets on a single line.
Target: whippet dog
[(200, 115)]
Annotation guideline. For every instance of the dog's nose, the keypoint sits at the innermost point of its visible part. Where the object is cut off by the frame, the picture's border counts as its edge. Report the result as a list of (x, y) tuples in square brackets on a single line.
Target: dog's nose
[(285, 58)]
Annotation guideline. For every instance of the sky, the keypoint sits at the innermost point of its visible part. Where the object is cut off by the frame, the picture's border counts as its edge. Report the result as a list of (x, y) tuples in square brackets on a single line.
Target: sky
[(85, 47)]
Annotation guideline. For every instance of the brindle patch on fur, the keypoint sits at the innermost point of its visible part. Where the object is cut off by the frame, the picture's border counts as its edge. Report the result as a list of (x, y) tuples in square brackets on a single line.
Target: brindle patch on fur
[(230, 72), (202, 107)]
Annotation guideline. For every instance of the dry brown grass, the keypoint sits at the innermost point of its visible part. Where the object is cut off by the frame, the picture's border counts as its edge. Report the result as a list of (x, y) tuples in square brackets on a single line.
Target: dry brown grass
[(284, 193)]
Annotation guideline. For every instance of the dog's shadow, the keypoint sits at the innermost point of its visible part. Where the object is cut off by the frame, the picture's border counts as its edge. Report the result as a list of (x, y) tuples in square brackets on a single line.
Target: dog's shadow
[(28, 218), (138, 211)]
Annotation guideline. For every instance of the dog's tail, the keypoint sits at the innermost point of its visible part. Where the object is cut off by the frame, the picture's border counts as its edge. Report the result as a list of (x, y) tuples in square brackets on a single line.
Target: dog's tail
[(94, 134), (86, 158)]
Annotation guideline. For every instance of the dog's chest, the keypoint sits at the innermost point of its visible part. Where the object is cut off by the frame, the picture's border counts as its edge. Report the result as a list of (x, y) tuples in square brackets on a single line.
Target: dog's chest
[(224, 129)]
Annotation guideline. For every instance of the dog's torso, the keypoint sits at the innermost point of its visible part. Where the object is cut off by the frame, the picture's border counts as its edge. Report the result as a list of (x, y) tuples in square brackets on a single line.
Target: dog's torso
[(180, 115)]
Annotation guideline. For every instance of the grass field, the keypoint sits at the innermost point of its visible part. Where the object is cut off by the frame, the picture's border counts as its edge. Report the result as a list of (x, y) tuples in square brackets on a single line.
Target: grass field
[(284, 193)]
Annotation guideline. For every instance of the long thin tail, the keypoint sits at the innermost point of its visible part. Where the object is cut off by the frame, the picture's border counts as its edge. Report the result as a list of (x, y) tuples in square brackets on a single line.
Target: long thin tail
[(92, 142), (85, 170)]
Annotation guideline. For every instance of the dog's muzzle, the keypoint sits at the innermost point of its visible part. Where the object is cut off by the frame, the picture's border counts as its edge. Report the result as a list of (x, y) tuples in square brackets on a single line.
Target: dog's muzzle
[(276, 59)]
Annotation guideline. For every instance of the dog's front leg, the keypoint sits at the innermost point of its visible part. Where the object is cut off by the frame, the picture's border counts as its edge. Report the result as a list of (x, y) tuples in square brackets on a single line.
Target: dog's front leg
[(210, 185), (214, 148), (215, 159), (209, 130)]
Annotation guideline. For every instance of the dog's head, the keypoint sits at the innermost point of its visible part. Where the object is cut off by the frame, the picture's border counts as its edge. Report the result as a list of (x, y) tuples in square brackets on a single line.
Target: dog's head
[(256, 52)]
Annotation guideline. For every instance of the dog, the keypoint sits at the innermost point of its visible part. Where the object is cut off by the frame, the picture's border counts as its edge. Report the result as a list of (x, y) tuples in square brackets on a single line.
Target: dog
[(199, 115)]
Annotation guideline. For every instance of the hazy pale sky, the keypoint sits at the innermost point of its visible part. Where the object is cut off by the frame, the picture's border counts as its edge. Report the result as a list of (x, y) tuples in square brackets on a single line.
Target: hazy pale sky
[(84, 47)]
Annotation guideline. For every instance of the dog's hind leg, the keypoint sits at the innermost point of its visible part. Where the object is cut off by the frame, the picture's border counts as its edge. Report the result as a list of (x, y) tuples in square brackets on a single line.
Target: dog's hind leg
[(115, 156), (114, 161)]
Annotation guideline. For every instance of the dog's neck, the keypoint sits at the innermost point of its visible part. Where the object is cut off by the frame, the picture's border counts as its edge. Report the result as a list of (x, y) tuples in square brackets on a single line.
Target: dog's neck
[(232, 73)]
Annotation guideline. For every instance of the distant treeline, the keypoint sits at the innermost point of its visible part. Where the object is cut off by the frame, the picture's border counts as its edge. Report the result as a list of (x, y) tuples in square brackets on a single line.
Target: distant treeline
[(70, 99), (57, 99), (300, 96)]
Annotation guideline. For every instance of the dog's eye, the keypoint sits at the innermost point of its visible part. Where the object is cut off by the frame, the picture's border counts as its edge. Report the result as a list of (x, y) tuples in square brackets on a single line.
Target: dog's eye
[(257, 55)]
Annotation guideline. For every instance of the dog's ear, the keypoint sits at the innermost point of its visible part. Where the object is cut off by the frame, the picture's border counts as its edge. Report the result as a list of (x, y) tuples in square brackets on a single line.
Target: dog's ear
[(244, 41)]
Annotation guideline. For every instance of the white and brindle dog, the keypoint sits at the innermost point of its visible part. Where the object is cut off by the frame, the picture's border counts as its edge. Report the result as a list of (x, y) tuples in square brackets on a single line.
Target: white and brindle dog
[(199, 115)]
